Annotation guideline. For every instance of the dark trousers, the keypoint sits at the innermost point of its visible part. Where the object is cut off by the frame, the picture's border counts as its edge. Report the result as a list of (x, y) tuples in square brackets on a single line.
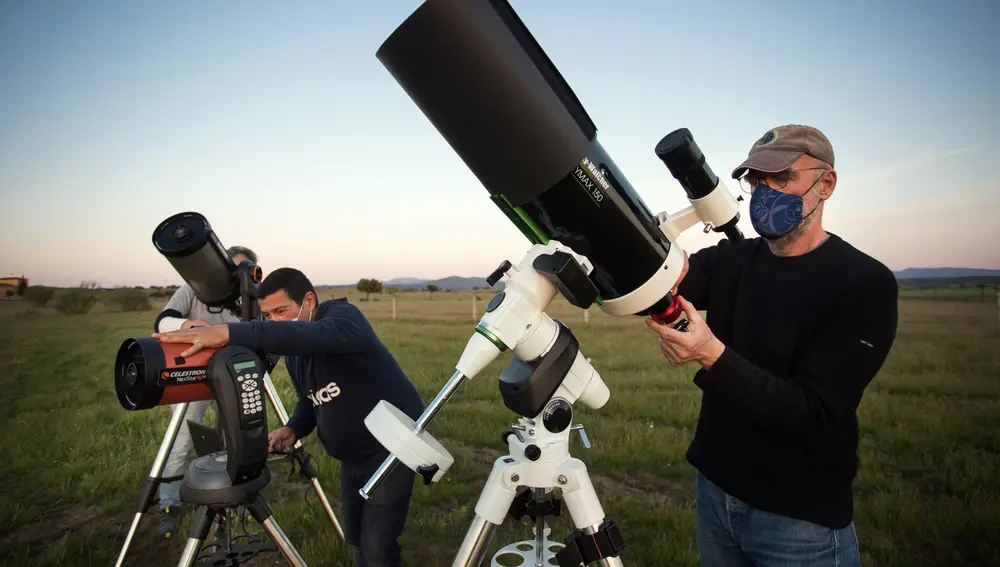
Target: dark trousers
[(372, 527)]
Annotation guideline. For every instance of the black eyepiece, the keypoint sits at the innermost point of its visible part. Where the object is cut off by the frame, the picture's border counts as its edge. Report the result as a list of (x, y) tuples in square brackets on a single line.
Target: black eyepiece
[(682, 156)]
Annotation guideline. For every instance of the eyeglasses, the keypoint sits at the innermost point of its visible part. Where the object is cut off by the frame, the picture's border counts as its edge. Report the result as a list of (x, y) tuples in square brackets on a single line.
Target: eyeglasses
[(778, 180)]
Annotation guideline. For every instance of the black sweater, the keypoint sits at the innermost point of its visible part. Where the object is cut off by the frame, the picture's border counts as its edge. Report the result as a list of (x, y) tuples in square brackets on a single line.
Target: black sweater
[(804, 336), (340, 370)]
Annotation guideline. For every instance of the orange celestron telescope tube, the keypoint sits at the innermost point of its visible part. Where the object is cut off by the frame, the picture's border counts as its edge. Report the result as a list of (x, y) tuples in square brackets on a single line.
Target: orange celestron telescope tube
[(149, 373)]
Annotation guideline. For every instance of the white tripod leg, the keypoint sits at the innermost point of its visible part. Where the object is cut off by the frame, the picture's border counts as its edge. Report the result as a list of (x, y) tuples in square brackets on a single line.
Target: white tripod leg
[(493, 504), (587, 515)]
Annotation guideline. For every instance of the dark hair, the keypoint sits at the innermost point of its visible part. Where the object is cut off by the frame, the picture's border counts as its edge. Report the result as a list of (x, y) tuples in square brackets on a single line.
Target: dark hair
[(294, 282)]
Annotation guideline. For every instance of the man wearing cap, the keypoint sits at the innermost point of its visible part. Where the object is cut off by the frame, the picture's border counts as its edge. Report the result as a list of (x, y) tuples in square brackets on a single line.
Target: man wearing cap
[(798, 323)]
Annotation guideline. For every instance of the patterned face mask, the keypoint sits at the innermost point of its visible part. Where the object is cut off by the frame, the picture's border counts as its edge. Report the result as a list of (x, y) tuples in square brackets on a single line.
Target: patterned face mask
[(775, 214)]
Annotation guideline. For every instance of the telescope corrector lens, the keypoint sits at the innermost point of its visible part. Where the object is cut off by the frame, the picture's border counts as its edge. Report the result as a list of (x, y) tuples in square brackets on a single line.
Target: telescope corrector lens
[(483, 81), (188, 242)]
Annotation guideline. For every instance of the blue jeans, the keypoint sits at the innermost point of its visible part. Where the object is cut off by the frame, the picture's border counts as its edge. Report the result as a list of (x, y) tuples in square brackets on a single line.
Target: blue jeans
[(372, 527), (733, 534), (176, 465)]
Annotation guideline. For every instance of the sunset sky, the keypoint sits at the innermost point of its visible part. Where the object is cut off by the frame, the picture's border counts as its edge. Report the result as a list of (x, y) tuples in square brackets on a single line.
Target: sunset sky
[(277, 122)]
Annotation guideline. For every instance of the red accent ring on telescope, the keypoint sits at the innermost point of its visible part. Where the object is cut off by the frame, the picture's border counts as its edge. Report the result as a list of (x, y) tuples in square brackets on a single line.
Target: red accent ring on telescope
[(668, 315)]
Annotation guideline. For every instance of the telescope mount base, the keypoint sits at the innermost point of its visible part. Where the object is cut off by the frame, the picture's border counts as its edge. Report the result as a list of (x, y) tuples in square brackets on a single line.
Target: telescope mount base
[(207, 485), (537, 479)]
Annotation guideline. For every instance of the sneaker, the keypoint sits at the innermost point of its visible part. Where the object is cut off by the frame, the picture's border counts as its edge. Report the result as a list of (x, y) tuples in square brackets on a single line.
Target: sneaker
[(168, 522)]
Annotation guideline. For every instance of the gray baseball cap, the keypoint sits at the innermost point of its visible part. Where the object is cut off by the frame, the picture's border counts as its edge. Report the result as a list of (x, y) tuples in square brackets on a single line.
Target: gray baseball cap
[(779, 147)]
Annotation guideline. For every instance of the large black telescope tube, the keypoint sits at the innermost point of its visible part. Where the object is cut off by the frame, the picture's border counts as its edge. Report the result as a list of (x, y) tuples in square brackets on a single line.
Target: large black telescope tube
[(483, 81), (188, 242)]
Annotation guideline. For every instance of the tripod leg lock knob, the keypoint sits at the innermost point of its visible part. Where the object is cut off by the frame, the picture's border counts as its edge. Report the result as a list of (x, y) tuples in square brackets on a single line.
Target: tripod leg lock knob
[(584, 549)]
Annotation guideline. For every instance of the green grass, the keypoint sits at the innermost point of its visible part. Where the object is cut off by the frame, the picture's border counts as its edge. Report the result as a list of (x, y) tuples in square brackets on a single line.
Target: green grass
[(928, 492)]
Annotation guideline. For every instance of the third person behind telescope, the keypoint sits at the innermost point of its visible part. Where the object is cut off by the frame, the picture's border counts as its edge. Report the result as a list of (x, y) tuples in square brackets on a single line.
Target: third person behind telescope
[(340, 370), (799, 322)]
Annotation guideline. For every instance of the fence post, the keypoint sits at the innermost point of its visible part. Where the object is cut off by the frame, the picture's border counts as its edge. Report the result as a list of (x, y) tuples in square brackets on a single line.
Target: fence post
[(475, 311), (394, 307), (586, 316)]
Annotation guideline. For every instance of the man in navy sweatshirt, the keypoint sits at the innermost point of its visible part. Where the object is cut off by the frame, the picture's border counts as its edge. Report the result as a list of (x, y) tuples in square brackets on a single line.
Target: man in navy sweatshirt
[(340, 370)]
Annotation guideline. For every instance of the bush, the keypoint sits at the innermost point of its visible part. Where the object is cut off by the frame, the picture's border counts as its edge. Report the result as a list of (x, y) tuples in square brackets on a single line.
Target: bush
[(39, 295), (75, 301), (128, 299), (9, 293)]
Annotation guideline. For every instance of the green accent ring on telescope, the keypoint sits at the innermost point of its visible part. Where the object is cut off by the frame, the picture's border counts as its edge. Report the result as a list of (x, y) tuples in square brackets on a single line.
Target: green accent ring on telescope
[(493, 338), (528, 227)]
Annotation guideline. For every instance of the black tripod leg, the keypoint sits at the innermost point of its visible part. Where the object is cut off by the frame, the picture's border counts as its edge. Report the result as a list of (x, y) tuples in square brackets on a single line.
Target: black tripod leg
[(261, 512), (200, 527), (147, 493)]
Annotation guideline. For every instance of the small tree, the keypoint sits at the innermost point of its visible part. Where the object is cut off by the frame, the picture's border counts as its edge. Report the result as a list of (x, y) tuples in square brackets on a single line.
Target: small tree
[(431, 288), (369, 286), (22, 286)]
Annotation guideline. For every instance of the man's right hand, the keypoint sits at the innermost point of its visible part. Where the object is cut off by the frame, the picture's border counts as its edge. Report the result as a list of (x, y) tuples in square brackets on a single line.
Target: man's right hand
[(280, 439)]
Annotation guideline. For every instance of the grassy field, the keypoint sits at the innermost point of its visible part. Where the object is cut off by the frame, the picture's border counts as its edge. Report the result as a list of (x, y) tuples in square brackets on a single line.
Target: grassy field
[(928, 491)]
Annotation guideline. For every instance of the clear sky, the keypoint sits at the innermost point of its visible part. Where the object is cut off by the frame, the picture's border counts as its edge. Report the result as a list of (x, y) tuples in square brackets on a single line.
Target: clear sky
[(277, 122)]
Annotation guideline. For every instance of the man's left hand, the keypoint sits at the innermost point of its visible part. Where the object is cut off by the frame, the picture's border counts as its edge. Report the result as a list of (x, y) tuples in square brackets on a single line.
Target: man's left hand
[(697, 344), (199, 337)]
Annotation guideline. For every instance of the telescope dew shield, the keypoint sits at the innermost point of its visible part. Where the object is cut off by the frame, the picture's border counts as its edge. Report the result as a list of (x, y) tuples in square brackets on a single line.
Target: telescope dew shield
[(482, 80), (188, 242), (149, 373)]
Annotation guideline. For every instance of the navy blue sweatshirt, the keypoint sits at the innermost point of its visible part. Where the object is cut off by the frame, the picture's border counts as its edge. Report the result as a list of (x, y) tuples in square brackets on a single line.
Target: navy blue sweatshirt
[(340, 370), (804, 336)]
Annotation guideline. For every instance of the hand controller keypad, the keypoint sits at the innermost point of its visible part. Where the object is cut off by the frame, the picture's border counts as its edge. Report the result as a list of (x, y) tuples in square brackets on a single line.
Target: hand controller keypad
[(251, 398)]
